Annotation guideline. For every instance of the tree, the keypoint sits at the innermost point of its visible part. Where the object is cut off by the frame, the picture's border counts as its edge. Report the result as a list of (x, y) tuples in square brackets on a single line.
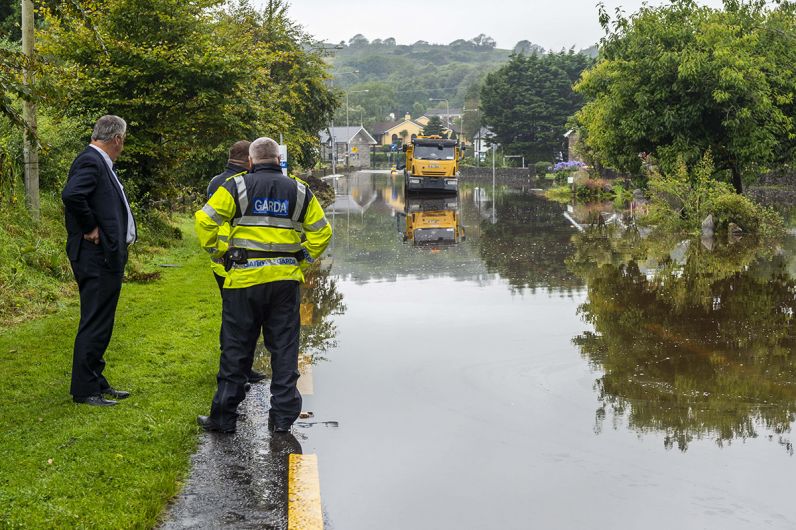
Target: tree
[(434, 127), (484, 41), (358, 40), (527, 102), (527, 47), (679, 80), (190, 79)]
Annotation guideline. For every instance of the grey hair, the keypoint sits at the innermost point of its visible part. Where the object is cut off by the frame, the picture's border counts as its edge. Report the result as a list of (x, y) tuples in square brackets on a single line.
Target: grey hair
[(108, 127), (264, 150)]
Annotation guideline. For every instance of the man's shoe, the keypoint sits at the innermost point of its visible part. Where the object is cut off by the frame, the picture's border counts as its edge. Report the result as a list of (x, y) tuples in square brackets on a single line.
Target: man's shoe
[(256, 377), (280, 429), (207, 424), (97, 401), (116, 394)]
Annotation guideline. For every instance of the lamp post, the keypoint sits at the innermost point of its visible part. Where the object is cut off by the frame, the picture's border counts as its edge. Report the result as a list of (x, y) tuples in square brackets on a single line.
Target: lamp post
[(347, 125), (447, 110), (331, 129), (346, 102)]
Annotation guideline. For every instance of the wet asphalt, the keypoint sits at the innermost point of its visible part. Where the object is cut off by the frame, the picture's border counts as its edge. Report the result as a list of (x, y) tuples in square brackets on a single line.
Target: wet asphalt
[(237, 481)]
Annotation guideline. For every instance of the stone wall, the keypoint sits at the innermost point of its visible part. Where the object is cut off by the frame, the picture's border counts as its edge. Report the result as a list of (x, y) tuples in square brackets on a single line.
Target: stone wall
[(486, 172)]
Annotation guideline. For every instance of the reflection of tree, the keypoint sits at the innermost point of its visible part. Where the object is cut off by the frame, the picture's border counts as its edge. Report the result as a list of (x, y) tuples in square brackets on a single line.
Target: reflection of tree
[(529, 243), (320, 295), (699, 345)]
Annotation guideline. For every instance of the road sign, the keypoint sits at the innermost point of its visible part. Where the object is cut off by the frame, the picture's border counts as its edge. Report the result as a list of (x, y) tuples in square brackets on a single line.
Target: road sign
[(355, 149), (283, 156)]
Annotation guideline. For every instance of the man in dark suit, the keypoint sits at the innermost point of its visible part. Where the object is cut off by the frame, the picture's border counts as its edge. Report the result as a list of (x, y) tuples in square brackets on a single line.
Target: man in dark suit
[(100, 226)]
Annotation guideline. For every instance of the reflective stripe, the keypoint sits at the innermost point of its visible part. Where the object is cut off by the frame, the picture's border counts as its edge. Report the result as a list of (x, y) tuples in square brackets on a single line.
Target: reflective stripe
[(264, 220), (220, 261), (212, 214), (211, 250), (243, 197), (314, 227), (265, 247), (265, 262), (301, 197), (223, 238)]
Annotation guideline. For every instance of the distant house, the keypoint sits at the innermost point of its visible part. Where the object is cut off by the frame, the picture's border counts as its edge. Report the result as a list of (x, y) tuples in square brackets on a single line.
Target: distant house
[(397, 131), (351, 145), (482, 143)]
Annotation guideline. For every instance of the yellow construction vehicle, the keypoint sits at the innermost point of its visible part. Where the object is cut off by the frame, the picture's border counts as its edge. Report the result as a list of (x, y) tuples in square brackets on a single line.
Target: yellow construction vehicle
[(431, 221), (432, 164)]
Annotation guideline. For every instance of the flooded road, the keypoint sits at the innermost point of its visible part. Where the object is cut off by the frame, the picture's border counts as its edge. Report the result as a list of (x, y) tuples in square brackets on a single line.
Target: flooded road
[(522, 374)]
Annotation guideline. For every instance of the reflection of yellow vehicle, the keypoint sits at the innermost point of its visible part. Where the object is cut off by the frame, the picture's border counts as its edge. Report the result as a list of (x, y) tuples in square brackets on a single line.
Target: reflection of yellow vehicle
[(432, 164), (431, 221)]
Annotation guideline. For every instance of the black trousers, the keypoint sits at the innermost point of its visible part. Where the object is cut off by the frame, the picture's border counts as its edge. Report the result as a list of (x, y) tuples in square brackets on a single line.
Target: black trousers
[(220, 282), (99, 288), (274, 308)]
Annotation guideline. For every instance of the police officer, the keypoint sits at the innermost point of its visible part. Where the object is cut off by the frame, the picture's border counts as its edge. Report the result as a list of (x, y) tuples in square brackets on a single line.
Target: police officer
[(264, 262), (237, 164)]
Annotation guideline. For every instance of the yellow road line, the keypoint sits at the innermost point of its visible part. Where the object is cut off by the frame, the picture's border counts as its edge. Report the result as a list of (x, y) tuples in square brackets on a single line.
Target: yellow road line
[(304, 494)]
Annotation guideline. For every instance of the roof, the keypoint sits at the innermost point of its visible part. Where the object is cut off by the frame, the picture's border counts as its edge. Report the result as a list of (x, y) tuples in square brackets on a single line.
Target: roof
[(383, 127), (343, 135)]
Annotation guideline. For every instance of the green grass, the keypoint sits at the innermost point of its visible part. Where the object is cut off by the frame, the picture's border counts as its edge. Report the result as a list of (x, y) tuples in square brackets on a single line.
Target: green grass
[(71, 466), (35, 275), (561, 194)]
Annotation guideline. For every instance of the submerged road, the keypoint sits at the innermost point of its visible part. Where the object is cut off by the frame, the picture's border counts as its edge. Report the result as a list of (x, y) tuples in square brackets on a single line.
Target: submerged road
[(520, 376)]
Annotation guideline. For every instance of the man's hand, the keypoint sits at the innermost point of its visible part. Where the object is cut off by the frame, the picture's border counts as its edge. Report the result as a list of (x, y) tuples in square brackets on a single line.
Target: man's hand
[(93, 236)]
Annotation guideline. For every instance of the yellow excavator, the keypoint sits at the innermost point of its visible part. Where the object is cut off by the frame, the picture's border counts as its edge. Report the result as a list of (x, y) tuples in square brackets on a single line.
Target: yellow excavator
[(431, 164)]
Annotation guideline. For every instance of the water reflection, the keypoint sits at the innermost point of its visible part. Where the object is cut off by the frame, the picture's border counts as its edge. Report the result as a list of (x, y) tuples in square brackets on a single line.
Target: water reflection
[(321, 300), (693, 343), (431, 221), (526, 239)]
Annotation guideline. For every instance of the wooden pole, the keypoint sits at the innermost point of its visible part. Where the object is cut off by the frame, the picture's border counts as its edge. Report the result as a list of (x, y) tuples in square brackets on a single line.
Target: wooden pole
[(30, 140)]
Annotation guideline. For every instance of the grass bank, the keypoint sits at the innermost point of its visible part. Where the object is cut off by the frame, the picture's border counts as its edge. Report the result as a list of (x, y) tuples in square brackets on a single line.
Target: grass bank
[(70, 466)]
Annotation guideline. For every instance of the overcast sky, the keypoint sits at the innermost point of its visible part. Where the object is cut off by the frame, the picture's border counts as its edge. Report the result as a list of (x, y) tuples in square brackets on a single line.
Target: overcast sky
[(552, 24)]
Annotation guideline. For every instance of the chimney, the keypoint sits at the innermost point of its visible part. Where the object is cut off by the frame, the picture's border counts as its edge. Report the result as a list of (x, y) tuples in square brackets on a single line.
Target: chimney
[(407, 117)]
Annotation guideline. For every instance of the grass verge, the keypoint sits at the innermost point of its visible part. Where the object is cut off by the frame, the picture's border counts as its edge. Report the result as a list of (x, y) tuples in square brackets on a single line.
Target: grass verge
[(71, 466)]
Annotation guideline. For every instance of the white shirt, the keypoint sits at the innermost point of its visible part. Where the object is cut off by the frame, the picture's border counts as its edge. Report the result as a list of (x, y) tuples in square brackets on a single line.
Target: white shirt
[(131, 235)]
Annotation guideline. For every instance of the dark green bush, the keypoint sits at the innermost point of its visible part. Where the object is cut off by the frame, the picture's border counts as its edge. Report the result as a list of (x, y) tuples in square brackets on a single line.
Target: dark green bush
[(541, 168)]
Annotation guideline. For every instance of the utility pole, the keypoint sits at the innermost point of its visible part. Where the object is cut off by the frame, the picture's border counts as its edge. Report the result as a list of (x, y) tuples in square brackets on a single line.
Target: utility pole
[(30, 138)]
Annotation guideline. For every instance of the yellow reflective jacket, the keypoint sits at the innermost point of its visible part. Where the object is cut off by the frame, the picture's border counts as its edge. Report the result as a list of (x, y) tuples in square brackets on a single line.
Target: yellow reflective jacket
[(233, 170), (268, 213)]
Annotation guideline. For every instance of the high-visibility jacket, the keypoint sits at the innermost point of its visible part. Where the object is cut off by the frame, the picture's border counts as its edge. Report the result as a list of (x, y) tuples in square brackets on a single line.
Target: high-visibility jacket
[(268, 213), (217, 264)]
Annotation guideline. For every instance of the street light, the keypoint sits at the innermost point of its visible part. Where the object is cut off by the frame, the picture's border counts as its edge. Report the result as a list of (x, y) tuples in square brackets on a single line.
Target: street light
[(347, 124), (331, 126), (447, 110), (346, 102)]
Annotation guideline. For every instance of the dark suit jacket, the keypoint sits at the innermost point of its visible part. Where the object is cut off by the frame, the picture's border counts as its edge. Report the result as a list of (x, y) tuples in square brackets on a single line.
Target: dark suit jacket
[(92, 197)]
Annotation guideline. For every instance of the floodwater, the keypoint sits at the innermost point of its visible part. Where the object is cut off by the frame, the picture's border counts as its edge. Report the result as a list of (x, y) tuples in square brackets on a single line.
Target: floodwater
[(496, 360)]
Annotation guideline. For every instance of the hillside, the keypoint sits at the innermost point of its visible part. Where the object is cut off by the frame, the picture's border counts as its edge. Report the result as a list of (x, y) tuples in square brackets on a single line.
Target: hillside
[(402, 79)]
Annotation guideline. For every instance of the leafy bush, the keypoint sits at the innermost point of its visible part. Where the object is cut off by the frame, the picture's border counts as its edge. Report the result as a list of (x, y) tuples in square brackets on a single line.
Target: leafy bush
[(541, 168), (683, 198)]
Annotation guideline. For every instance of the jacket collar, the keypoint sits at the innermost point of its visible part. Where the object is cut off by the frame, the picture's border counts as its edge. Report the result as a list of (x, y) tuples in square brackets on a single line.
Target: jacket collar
[(266, 167), (236, 168)]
